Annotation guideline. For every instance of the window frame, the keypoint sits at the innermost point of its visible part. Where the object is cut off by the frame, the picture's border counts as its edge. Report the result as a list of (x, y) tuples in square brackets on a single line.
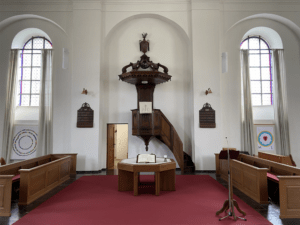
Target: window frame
[(33, 51), (260, 67)]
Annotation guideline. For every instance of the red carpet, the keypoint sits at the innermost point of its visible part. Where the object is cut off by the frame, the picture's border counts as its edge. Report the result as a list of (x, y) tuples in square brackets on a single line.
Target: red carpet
[(96, 200)]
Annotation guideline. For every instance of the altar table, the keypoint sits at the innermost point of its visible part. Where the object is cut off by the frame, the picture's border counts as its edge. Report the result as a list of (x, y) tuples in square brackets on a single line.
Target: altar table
[(129, 172)]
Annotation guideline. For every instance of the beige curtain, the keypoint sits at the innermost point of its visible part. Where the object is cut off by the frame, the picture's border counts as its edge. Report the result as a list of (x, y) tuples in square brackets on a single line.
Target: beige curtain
[(246, 106), (280, 103), (45, 106), (10, 105)]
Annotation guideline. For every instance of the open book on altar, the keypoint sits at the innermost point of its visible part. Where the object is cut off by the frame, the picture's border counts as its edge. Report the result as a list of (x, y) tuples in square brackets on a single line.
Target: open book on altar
[(146, 158)]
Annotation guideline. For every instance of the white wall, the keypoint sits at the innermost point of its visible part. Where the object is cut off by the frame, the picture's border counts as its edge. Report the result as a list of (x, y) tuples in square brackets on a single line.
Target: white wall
[(186, 36), (206, 74), (168, 47), (86, 48)]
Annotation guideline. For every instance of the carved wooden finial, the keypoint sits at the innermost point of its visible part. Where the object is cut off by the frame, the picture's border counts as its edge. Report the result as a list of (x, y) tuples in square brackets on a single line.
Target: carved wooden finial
[(144, 45)]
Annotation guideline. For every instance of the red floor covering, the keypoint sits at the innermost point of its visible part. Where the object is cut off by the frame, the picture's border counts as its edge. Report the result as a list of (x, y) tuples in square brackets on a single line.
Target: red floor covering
[(96, 200)]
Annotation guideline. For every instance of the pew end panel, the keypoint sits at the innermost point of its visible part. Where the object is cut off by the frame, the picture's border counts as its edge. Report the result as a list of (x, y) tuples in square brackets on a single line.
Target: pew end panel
[(37, 181), (247, 178), (73, 161), (250, 180), (289, 195), (5, 194)]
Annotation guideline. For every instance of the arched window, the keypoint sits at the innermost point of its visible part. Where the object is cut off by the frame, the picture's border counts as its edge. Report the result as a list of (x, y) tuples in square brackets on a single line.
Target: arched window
[(260, 70), (30, 71)]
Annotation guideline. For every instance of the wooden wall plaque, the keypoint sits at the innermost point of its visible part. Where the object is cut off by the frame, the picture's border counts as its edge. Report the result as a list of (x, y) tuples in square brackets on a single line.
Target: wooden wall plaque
[(85, 116), (207, 116)]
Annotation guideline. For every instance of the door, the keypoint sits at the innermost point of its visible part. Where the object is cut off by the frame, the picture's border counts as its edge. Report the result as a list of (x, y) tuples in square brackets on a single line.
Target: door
[(110, 146)]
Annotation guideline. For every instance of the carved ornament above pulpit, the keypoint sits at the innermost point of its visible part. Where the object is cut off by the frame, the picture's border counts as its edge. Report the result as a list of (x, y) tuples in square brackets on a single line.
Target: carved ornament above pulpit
[(139, 74)]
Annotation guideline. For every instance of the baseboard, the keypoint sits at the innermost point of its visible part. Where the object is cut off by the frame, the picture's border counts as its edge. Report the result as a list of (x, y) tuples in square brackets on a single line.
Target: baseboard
[(205, 171), (103, 170), (88, 172)]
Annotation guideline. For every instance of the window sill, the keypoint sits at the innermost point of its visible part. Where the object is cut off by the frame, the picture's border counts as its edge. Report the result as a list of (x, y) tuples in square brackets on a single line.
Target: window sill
[(32, 107), (263, 122), (26, 122), (262, 106)]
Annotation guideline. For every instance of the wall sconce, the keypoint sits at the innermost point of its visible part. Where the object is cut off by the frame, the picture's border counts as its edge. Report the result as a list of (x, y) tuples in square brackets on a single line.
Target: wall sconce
[(84, 92), (208, 91)]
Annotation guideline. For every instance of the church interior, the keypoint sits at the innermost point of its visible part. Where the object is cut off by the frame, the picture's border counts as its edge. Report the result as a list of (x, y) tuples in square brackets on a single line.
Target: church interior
[(88, 85)]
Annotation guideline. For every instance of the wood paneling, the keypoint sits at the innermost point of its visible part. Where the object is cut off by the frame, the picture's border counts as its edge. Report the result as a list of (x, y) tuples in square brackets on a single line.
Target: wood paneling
[(5, 194), (277, 158), (217, 163), (253, 181), (38, 177), (73, 161), (274, 167), (1, 195), (167, 180), (289, 189), (36, 182), (110, 146), (249, 179), (128, 176), (145, 93), (157, 125), (64, 169), (29, 165), (43, 161), (52, 175)]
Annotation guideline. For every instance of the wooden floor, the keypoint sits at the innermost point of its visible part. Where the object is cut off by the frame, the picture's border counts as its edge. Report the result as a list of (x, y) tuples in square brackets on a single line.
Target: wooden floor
[(270, 211)]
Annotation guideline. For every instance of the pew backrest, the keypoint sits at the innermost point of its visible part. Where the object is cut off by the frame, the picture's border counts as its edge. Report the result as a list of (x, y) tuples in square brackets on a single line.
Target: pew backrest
[(2, 161), (13, 168), (274, 167), (288, 160), (39, 180)]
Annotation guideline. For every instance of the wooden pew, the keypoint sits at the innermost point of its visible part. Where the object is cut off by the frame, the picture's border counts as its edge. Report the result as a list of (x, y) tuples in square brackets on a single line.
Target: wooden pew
[(39, 180), (73, 161), (287, 176), (48, 165), (2, 161), (288, 160), (247, 178), (5, 193)]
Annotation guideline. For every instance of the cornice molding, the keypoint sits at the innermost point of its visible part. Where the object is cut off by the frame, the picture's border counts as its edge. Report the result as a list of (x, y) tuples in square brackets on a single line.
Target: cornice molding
[(12, 2), (146, 1), (30, 6), (261, 1), (149, 5)]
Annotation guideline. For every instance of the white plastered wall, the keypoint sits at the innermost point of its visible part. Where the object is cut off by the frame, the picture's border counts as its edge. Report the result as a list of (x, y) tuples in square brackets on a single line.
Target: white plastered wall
[(84, 27), (86, 39), (168, 46), (206, 74)]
